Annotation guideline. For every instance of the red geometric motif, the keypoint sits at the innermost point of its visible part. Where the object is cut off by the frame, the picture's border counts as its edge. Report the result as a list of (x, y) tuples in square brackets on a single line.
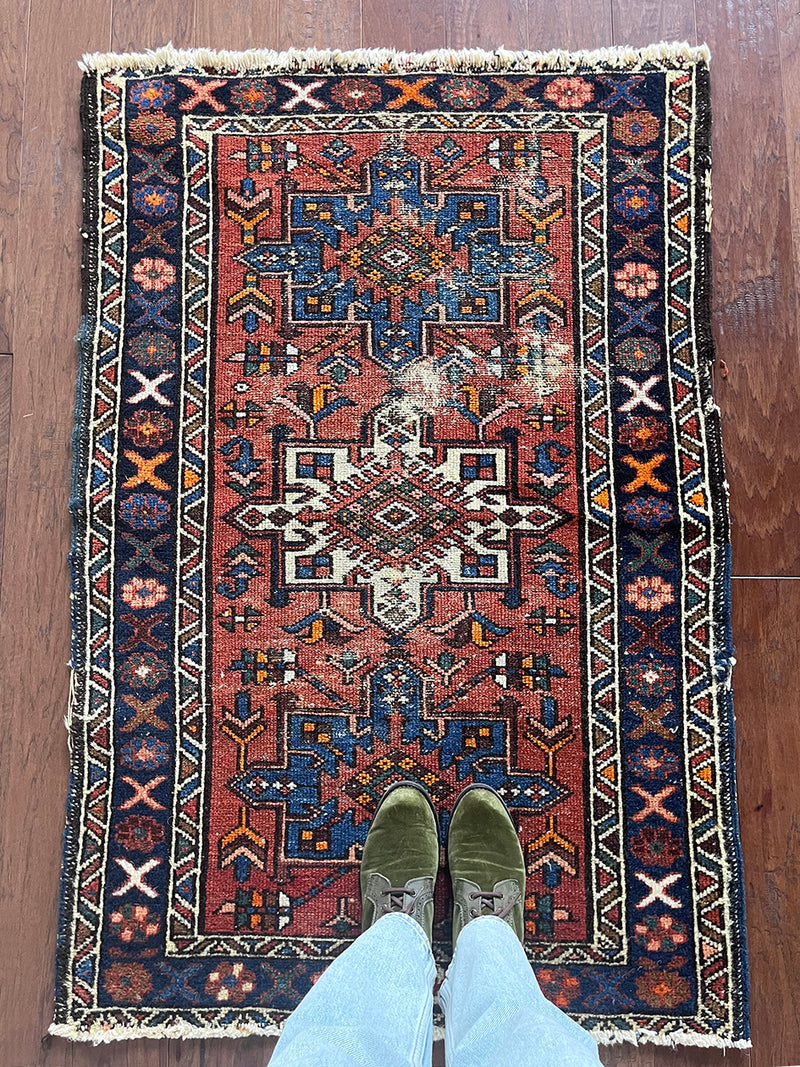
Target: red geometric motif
[(453, 557)]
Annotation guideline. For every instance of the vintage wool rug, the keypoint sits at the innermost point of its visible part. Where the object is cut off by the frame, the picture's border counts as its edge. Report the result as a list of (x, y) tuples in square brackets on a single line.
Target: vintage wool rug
[(396, 457)]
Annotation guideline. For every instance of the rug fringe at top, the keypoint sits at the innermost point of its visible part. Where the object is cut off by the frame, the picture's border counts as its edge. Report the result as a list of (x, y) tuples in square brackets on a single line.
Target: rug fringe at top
[(666, 56)]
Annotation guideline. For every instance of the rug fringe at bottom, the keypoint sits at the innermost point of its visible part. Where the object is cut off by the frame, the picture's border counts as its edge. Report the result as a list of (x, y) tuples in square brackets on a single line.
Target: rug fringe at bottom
[(97, 1035)]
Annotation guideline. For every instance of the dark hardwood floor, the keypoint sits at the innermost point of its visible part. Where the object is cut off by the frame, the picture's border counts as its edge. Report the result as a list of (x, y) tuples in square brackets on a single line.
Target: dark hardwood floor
[(756, 94)]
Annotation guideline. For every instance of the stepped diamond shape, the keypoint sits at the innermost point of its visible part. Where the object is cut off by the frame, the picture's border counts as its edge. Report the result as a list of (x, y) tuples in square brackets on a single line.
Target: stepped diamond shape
[(396, 257), (396, 517)]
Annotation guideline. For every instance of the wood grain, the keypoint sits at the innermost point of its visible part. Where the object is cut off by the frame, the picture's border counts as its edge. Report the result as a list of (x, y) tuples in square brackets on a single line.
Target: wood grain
[(140, 24), (6, 366), (319, 24), (34, 628), (766, 684), (754, 284), (237, 27), (409, 25), (13, 44), (564, 24), (789, 45), (642, 22), (486, 24)]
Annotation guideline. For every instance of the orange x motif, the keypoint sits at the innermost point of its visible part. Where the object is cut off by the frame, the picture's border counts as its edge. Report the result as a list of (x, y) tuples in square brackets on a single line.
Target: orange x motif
[(144, 470), (410, 92), (644, 474)]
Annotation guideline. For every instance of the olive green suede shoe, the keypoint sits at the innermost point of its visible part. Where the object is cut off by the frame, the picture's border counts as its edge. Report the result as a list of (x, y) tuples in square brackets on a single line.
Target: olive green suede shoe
[(487, 867), (401, 857)]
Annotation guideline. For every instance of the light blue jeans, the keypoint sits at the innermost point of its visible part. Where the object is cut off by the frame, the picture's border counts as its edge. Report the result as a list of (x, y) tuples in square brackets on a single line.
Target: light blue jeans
[(373, 1007)]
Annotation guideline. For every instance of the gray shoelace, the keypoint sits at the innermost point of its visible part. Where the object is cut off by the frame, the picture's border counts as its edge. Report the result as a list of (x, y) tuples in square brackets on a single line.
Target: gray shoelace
[(489, 901), (397, 895)]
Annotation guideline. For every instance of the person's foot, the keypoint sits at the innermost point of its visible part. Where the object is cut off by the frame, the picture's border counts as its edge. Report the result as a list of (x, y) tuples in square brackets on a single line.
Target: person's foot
[(487, 867), (401, 857)]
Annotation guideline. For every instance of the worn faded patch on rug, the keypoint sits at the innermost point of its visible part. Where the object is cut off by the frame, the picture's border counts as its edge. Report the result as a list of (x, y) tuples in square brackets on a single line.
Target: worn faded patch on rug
[(396, 457)]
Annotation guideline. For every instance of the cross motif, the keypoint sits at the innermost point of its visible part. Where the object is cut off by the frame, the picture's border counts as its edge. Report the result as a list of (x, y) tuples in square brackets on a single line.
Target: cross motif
[(648, 552), (410, 92), (144, 552), (202, 93), (142, 791), (152, 311), (150, 388), (178, 979), (143, 632), (640, 395), (635, 166), (144, 711), (514, 93), (154, 236), (635, 240), (303, 94), (621, 91), (136, 877), (154, 164), (637, 316), (658, 890), (607, 990), (145, 470), (652, 722), (644, 471), (654, 803), (648, 634)]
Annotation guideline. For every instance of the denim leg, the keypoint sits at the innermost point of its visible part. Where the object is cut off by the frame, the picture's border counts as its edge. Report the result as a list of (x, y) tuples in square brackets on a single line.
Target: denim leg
[(373, 1007), (495, 1012)]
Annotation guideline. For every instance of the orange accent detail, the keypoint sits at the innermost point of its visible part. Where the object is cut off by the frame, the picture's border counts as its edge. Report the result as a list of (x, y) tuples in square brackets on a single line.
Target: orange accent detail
[(144, 470), (644, 474), (410, 92)]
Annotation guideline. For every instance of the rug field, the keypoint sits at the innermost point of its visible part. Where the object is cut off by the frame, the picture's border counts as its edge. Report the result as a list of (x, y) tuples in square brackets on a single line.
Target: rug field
[(396, 457)]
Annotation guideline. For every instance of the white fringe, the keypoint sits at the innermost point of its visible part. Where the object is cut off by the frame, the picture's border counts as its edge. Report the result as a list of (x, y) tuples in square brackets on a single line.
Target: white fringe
[(669, 1040), (100, 1035), (666, 56)]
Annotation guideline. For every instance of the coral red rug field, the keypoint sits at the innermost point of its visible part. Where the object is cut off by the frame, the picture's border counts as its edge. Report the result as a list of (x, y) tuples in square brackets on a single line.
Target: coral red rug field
[(396, 458)]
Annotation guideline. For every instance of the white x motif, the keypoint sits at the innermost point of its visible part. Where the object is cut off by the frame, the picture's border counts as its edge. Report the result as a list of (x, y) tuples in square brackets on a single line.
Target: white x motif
[(136, 878), (302, 95), (658, 890), (149, 388), (639, 394)]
